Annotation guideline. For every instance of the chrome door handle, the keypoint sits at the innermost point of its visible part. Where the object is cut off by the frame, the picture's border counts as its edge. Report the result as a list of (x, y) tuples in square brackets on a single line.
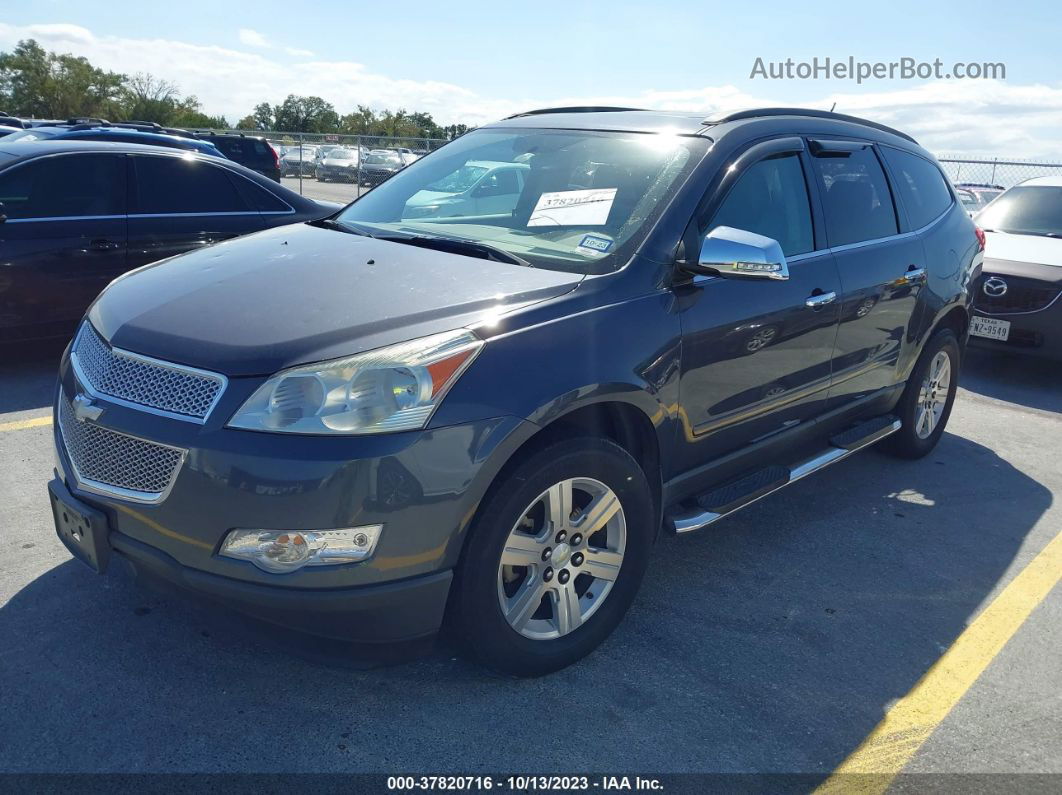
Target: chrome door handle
[(915, 275), (820, 300)]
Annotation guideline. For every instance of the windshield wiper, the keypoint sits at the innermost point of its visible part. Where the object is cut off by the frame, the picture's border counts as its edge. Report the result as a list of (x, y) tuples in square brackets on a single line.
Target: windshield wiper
[(350, 229), (460, 246)]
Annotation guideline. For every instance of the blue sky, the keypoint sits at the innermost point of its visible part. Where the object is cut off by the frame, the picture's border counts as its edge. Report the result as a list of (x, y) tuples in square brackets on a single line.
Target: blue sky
[(472, 61)]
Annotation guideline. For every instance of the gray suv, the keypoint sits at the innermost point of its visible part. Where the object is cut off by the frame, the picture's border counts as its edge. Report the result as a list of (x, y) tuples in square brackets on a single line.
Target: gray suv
[(421, 409)]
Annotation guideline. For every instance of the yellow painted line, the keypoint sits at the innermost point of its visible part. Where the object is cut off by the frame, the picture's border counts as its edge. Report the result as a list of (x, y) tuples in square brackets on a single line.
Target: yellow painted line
[(19, 425), (909, 723)]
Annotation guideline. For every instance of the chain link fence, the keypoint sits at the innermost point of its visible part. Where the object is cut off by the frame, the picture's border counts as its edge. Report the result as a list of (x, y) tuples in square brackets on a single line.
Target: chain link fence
[(1004, 173), (340, 168)]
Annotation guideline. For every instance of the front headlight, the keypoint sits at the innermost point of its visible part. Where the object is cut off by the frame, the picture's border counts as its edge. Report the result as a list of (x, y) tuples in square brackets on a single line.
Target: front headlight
[(389, 389)]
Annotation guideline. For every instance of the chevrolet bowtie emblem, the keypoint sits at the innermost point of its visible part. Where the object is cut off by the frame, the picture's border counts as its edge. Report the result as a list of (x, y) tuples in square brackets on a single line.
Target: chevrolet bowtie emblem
[(85, 408)]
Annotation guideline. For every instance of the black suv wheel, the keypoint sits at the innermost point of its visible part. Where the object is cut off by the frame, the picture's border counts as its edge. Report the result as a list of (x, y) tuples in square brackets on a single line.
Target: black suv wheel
[(927, 399), (555, 557)]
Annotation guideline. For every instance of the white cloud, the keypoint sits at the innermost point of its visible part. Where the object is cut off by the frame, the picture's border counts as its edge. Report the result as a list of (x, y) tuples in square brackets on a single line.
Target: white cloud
[(954, 117), (252, 38)]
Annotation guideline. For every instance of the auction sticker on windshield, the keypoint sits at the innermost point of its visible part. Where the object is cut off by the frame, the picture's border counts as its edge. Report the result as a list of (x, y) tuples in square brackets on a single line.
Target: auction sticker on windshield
[(573, 208)]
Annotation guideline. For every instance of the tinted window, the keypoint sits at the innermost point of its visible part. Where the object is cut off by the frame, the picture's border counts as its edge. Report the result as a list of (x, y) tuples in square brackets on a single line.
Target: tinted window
[(855, 197), (261, 198), (771, 198), (920, 185), (64, 186), (177, 185)]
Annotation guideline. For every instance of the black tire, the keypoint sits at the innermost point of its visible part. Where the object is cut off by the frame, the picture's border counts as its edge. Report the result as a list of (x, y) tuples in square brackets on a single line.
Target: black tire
[(906, 442), (476, 610)]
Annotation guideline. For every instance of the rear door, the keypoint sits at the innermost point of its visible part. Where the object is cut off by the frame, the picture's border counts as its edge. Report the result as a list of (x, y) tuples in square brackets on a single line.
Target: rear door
[(63, 241), (183, 203), (880, 266)]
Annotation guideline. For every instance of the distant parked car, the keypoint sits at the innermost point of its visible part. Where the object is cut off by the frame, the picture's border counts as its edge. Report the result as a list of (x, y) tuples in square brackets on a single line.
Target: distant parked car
[(251, 151), (378, 166), (76, 214), (120, 132), (975, 196), (7, 130), (339, 165), (299, 160), (1017, 306), (8, 120)]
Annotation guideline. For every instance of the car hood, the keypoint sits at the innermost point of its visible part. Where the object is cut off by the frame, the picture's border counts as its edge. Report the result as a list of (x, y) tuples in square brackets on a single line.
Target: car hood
[(299, 293), (1036, 249)]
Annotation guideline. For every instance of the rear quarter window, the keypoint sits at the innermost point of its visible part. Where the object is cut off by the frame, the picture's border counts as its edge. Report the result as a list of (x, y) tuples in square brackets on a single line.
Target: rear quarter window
[(921, 188)]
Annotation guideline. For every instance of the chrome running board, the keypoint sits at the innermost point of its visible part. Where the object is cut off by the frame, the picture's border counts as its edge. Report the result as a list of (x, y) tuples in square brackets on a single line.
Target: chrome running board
[(841, 446)]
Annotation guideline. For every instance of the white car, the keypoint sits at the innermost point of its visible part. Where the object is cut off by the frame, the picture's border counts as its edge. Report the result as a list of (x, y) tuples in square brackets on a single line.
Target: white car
[(479, 187)]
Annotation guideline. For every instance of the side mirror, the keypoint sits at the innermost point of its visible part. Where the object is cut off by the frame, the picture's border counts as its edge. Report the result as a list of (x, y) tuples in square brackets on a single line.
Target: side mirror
[(727, 251)]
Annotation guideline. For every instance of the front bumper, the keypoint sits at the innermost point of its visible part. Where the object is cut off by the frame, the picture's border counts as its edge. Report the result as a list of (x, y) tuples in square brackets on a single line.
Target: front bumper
[(1036, 333), (422, 486)]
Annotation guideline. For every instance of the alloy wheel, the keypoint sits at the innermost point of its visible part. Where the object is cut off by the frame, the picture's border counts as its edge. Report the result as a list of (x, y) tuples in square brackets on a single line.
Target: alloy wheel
[(562, 558), (933, 396)]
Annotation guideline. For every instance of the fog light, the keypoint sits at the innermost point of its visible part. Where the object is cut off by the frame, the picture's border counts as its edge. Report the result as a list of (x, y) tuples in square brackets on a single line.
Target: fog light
[(279, 551)]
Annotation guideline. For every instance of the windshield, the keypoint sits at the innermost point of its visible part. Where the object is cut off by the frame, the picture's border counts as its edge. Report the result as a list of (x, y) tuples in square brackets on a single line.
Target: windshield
[(387, 159), (340, 154), (460, 181), (572, 200), (1032, 210)]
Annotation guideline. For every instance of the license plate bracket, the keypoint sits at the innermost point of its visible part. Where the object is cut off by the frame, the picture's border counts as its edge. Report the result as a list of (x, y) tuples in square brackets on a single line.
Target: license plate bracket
[(82, 529)]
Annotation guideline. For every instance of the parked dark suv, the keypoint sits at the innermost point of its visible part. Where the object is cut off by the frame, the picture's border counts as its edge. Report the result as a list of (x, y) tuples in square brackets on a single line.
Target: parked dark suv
[(354, 426), (250, 151)]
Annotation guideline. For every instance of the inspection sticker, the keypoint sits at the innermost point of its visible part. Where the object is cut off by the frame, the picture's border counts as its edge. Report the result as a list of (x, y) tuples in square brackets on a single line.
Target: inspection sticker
[(573, 208), (595, 244)]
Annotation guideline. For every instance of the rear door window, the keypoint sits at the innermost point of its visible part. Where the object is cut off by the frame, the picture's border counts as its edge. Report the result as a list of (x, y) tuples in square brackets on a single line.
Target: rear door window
[(919, 185), (65, 186), (856, 199), (168, 185)]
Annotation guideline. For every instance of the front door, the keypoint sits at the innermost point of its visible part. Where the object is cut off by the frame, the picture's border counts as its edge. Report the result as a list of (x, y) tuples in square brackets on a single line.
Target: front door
[(756, 353), (63, 241)]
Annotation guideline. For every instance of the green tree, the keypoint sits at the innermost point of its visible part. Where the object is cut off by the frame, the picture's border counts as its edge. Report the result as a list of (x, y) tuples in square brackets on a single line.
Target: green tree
[(47, 85), (305, 114), (247, 123), (264, 116)]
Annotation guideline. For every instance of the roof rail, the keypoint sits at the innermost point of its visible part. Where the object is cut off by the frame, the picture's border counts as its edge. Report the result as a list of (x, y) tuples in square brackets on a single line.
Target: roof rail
[(815, 114), (573, 109), (86, 120)]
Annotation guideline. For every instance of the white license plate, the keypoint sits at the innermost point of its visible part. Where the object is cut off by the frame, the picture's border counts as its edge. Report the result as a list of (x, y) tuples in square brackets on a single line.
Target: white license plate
[(990, 328)]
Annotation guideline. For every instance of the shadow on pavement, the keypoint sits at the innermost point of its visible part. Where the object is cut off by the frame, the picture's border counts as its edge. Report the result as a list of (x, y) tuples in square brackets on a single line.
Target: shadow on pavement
[(1024, 380), (773, 643), (27, 372)]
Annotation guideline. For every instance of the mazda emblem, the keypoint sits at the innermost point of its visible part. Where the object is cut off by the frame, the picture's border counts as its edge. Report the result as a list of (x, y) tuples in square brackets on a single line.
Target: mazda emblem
[(994, 287), (85, 408)]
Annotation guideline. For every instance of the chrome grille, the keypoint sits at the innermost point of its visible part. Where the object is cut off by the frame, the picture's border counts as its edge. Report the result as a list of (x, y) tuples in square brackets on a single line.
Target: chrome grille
[(116, 463), (168, 388)]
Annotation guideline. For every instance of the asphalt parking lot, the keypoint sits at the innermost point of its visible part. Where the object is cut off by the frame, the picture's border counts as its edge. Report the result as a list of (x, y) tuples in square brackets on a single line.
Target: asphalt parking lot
[(772, 642), (342, 192)]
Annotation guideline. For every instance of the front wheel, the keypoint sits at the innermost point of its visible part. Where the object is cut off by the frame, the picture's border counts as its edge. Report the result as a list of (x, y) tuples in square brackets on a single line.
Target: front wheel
[(925, 405), (554, 558)]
